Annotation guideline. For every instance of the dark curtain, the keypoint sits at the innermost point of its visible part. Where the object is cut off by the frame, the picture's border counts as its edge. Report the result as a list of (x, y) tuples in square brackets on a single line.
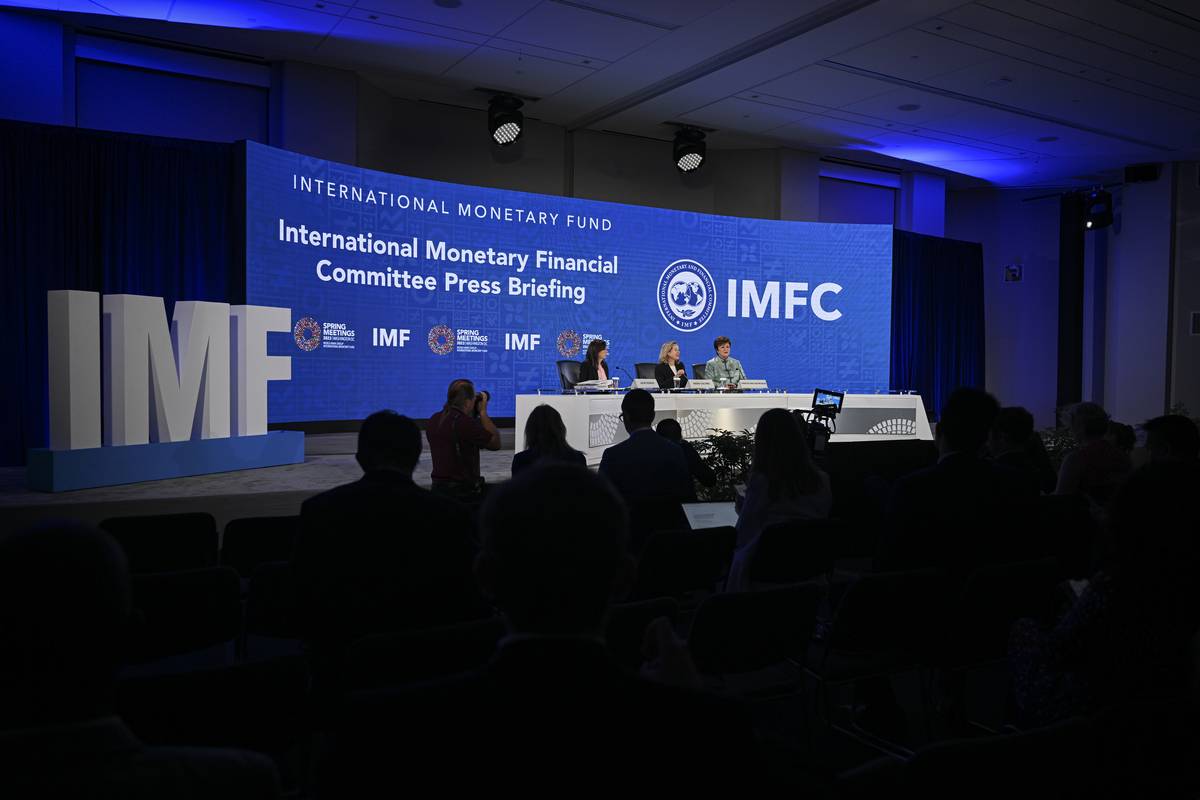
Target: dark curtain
[(111, 213), (937, 316)]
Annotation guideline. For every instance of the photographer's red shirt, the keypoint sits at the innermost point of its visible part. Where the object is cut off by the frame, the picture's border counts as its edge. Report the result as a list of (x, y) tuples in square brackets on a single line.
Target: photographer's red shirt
[(454, 442)]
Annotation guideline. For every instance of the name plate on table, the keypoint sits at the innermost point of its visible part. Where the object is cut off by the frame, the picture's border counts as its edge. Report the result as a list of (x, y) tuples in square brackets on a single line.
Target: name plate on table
[(649, 384), (701, 385), (596, 386), (756, 385)]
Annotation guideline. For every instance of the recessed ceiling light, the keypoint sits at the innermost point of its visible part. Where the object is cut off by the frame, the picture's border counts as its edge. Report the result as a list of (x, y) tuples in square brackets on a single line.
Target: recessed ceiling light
[(1047, 138), (909, 107)]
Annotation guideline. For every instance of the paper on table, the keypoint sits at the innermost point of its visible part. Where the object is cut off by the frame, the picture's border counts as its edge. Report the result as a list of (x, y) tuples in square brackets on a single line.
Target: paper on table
[(710, 515)]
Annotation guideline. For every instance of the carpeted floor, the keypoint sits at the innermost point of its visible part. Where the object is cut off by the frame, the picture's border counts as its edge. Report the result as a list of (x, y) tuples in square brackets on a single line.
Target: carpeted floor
[(328, 462)]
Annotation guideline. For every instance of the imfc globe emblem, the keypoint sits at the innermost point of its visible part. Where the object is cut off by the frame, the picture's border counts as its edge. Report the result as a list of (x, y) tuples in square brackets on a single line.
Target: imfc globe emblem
[(687, 295)]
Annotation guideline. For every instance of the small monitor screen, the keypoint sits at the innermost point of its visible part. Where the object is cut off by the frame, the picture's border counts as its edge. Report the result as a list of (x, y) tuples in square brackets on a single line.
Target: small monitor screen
[(827, 399)]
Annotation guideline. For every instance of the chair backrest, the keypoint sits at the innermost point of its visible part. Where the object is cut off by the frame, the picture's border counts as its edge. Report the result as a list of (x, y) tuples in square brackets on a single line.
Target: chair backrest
[(394, 659), (796, 550), (1064, 527), (891, 612), (650, 515), (272, 603), (676, 562), (166, 542), (626, 628), (251, 541), (185, 611), (568, 374), (698, 371), (644, 369), (745, 631), (992, 598)]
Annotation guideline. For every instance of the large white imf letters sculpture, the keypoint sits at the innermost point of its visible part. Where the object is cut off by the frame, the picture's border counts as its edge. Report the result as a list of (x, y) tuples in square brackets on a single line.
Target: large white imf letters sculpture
[(133, 399), (150, 384)]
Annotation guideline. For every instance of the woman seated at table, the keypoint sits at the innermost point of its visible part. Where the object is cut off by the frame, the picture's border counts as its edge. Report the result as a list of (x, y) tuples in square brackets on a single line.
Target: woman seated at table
[(546, 440), (594, 366), (669, 369), (785, 484)]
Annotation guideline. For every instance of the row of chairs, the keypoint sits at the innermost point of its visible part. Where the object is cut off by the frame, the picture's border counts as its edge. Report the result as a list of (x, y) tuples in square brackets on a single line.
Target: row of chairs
[(172, 542), (568, 372)]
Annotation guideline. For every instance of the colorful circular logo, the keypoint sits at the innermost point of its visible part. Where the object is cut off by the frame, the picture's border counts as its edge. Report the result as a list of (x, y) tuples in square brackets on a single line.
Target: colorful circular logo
[(441, 339), (687, 295), (569, 343), (307, 334)]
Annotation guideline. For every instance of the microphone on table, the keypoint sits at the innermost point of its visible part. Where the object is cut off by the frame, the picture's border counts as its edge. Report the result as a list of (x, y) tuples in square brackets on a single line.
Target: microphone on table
[(627, 375)]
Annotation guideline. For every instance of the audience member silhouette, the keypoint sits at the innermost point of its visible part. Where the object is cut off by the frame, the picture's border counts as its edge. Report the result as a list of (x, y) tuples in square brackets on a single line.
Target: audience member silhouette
[(649, 472), (1096, 467), (670, 430), (1172, 437), (1014, 444), (381, 553), (550, 711), (545, 440), (959, 513), (65, 614), (1128, 635), (784, 484), (1121, 436)]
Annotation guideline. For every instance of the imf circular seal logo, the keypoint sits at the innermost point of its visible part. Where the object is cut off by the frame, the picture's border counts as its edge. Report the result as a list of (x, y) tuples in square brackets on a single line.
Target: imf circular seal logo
[(569, 343), (307, 334), (687, 295), (441, 339)]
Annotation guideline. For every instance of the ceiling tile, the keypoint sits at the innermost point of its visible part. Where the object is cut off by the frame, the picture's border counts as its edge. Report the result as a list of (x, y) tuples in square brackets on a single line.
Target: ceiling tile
[(665, 13), (888, 106), (912, 55), (514, 72), (478, 16), (579, 31), (735, 113), (254, 15), (394, 49), (416, 26), (824, 87)]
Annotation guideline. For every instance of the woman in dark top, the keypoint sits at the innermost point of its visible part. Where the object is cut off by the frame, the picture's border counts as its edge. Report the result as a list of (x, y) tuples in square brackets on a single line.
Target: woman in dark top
[(546, 440), (669, 369), (594, 366)]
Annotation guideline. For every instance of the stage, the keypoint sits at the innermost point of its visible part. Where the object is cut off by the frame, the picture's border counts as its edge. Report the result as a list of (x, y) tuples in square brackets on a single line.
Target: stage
[(328, 462)]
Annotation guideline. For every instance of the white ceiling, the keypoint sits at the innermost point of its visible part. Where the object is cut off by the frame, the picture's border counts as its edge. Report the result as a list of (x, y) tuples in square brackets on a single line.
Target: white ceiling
[(1010, 92)]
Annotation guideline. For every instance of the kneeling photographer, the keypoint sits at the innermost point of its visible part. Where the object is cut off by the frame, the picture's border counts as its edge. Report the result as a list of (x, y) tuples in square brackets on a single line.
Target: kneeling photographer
[(456, 434)]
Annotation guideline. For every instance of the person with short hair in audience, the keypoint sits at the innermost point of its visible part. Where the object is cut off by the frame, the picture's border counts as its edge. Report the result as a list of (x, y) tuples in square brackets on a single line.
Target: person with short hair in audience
[(1172, 437), (1096, 467), (959, 513), (702, 473), (550, 712), (545, 440), (649, 472), (456, 434), (1127, 637), (784, 484), (65, 616), (1014, 444), (1121, 436), (381, 554)]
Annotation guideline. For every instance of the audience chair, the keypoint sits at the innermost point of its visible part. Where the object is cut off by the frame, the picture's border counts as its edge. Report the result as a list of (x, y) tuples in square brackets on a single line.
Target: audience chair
[(272, 607), (252, 541), (684, 563), (1063, 527), (185, 611), (650, 515), (396, 659), (166, 542), (626, 628), (568, 374), (797, 550), (743, 632), (884, 625)]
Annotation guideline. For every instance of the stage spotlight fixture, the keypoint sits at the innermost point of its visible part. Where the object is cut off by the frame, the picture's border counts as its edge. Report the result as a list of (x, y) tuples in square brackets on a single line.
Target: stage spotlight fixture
[(1097, 209), (689, 149), (505, 120)]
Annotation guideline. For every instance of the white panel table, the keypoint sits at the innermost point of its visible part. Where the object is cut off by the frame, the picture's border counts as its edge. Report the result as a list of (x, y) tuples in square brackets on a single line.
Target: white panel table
[(593, 424)]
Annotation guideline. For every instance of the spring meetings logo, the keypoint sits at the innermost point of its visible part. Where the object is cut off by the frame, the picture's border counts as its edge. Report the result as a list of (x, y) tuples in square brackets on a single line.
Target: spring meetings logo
[(307, 334), (687, 295), (441, 339)]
